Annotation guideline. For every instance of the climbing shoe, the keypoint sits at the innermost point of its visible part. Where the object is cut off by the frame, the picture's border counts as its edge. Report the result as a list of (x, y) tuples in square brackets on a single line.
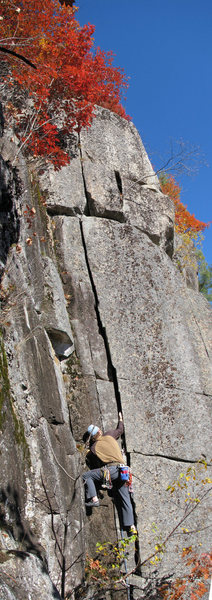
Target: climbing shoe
[(92, 504), (133, 530)]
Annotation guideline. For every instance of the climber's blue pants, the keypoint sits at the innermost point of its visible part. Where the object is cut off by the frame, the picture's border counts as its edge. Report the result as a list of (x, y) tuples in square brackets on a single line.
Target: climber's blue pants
[(120, 492)]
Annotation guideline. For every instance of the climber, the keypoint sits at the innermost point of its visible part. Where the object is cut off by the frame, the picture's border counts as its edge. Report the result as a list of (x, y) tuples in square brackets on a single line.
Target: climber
[(106, 455)]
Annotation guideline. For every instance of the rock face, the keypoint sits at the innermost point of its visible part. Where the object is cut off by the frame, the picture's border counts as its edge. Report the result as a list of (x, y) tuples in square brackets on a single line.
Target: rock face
[(96, 318)]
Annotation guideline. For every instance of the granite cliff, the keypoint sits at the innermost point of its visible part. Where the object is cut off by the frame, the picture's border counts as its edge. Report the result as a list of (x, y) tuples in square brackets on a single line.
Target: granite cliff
[(95, 318)]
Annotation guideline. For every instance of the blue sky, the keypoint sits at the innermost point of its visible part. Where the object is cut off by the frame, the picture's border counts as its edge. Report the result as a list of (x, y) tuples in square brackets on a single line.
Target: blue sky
[(165, 48)]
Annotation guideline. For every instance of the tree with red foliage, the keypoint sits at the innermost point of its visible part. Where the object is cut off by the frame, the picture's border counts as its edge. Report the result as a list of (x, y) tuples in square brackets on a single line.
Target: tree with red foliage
[(70, 77)]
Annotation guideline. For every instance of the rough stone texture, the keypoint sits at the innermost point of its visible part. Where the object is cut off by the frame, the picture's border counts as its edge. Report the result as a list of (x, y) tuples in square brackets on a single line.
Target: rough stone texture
[(54, 313), (96, 318), (159, 336), (126, 189), (65, 195), (26, 575)]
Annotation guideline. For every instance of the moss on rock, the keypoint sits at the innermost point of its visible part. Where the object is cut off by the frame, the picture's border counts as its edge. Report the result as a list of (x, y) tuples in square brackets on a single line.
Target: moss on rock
[(6, 403), (4, 383)]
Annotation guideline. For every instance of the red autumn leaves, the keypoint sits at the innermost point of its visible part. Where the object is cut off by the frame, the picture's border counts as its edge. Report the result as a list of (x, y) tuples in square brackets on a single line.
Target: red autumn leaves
[(70, 77)]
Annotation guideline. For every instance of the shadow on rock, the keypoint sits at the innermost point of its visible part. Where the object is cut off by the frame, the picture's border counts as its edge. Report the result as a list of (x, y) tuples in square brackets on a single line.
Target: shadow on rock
[(11, 521)]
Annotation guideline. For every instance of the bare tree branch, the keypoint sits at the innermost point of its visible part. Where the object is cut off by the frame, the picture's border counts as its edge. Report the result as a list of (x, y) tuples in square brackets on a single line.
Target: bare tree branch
[(13, 53), (170, 534), (67, 2)]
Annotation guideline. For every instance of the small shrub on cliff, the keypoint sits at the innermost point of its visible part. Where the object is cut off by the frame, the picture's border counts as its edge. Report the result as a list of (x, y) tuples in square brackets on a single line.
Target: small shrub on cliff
[(205, 276), (185, 222), (108, 569), (190, 233), (194, 585)]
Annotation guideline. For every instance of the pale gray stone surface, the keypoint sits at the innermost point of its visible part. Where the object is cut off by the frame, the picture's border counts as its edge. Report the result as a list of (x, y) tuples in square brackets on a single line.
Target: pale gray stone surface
[(113, 141), (122, 185), (151, 317), (160, 511), (26, 581), (65, 193), (82, 301), (54, 314), (159, 338), (99, 320), (40, 487), (107, 402)]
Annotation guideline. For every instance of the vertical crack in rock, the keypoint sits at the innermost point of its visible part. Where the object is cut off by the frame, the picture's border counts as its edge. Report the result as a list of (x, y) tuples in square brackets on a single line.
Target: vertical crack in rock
[(87, 211), (119, 182), (92, 209), (10, 191), (1, 120), (112, 375), (167, 457)]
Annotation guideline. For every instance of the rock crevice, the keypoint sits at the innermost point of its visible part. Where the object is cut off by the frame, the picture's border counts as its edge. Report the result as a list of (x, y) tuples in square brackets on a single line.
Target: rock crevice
[(111, 370), (171, 458), (97, 320)]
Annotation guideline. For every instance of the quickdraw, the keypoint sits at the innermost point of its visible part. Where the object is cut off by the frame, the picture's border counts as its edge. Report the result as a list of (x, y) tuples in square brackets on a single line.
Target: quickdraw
[(107, 483)]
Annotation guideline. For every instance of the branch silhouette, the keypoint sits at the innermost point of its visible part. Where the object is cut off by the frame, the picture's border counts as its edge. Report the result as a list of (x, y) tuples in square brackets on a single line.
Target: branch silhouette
[(13, 53)]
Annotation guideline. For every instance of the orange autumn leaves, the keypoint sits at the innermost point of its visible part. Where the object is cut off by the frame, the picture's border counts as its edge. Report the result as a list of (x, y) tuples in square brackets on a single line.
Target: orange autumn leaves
[(185, 222), (196, 582), (70, 77)]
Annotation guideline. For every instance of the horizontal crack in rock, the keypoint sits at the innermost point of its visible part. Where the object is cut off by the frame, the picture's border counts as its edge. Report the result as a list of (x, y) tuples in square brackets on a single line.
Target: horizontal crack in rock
[(63, 211), (172, 458)]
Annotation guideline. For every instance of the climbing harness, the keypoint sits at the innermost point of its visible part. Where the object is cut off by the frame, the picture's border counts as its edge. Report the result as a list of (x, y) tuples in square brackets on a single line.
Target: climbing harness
[(125, 475)]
